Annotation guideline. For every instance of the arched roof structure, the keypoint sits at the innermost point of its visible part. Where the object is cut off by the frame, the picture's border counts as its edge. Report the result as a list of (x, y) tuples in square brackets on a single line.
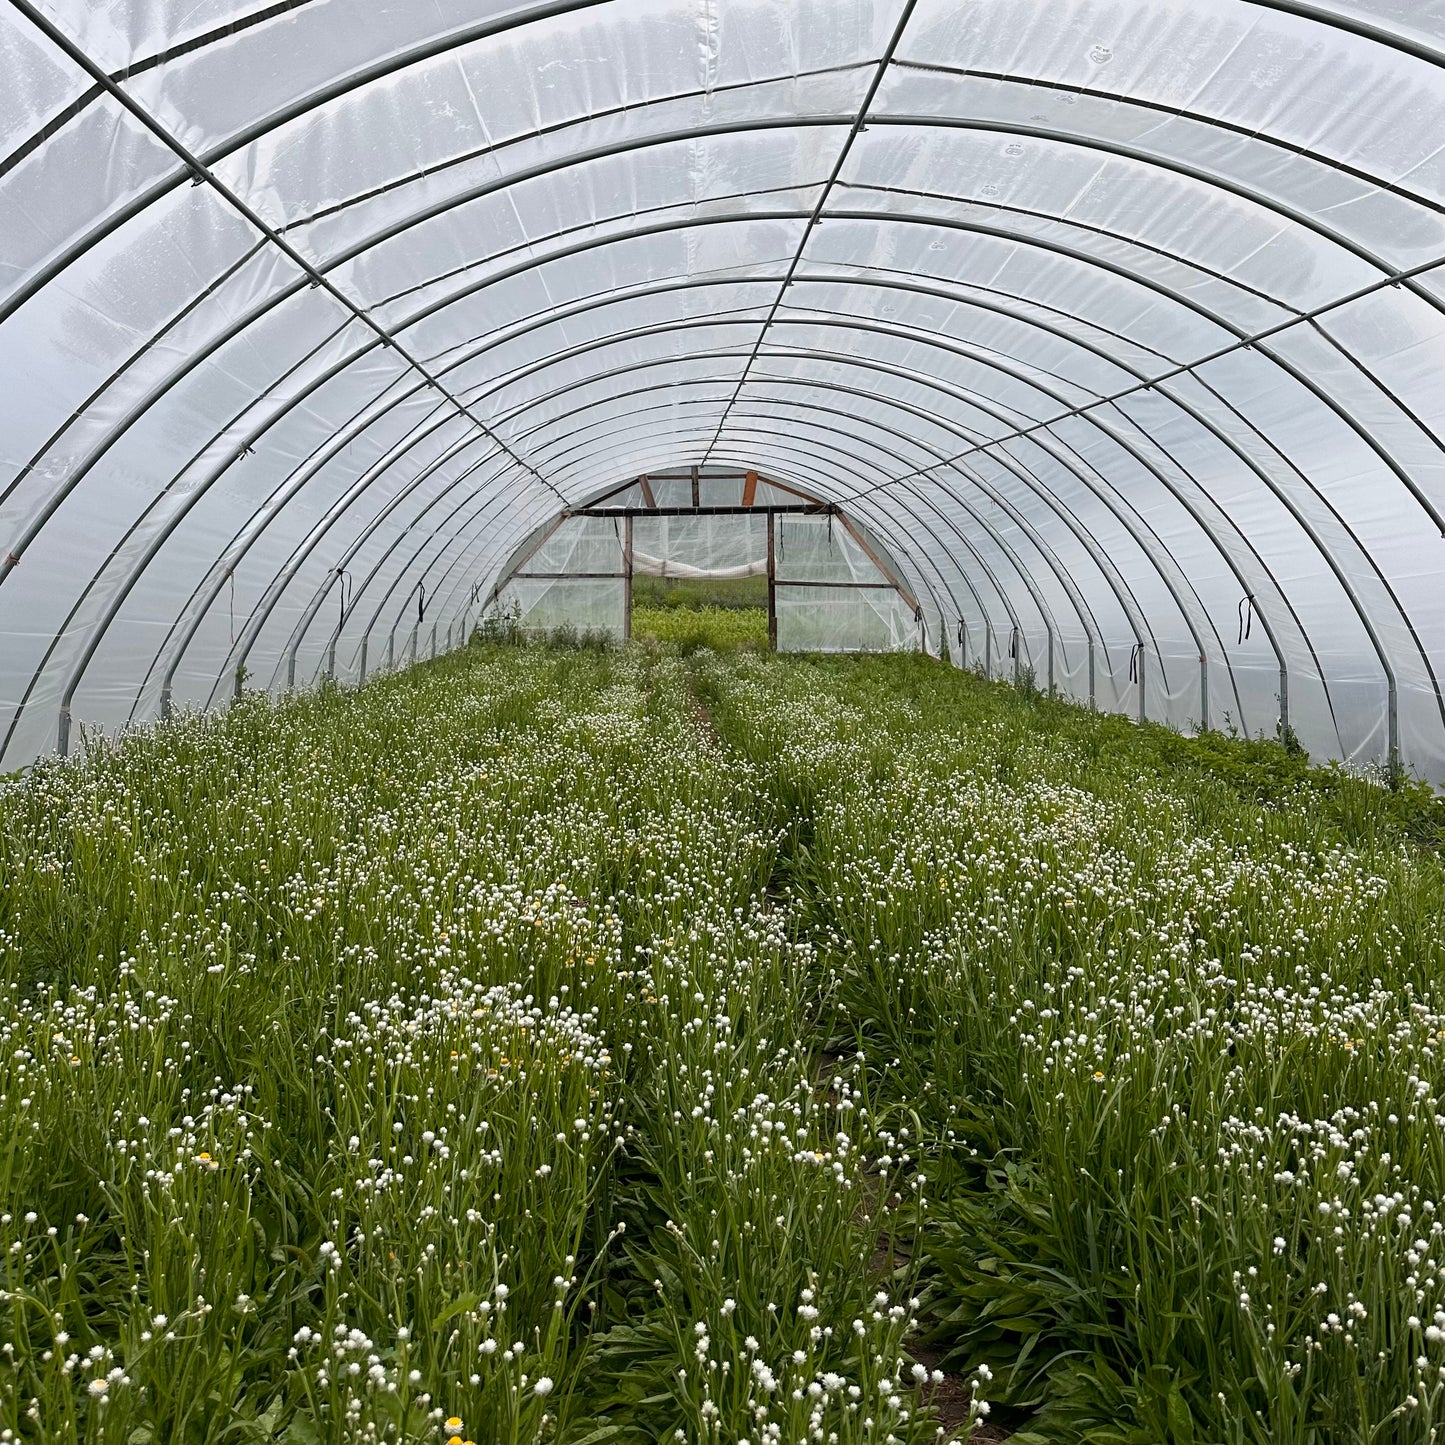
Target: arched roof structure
[(1118, 321)]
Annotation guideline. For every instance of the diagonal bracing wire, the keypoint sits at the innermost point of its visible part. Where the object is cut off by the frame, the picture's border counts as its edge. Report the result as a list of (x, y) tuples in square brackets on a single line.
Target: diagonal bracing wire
[(203, 175), (1242, 343), (884, 60)]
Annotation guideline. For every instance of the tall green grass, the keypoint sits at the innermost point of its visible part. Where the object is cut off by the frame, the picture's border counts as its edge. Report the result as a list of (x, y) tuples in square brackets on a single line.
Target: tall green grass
[(700, 592), (692, 628)]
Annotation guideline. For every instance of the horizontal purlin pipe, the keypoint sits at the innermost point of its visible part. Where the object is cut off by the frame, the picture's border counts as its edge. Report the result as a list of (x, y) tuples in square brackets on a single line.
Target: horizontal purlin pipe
[(849, 586), (816, 509)]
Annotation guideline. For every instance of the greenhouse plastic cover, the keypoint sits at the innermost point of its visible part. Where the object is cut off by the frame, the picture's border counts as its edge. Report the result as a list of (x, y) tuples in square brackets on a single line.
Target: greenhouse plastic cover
[(1118, 322)]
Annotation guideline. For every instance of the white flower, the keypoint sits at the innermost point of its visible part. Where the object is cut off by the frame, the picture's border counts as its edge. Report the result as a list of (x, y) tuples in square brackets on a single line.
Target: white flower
[(543, 1386)]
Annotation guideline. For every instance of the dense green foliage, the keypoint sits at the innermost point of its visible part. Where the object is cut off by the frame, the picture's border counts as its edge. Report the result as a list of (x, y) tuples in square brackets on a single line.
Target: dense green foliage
[(697, 592), (430, 1052), (610, 1045), (721, 629)]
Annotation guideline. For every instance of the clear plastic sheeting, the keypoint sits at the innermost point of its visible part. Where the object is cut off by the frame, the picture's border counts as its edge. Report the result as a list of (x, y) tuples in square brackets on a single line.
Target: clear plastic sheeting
[(1116, 325), (844, 621), (584, 605), (571, 575), (722, 548), (831, 588), (833, 595), (821, 549)]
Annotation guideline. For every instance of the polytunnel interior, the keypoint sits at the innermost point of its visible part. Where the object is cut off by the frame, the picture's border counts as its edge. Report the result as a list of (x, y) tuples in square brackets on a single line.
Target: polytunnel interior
[(1118, 324)]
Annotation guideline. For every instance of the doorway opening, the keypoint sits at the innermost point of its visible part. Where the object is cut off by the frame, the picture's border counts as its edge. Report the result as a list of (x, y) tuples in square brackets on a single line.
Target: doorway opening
[(712, 558)]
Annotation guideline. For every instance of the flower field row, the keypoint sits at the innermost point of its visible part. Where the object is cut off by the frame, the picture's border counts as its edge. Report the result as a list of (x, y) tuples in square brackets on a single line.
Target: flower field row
[(609, 1046), (1178, 1060), (429, 1063)]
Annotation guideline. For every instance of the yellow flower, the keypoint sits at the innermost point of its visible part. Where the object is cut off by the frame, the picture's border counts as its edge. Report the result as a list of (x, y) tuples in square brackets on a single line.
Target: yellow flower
[(454, 1425), (1098, 1074)]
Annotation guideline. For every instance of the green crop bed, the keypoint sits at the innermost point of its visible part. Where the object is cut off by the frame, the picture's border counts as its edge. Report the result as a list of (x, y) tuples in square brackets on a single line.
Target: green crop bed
[(586, 1046), (721, 629)]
